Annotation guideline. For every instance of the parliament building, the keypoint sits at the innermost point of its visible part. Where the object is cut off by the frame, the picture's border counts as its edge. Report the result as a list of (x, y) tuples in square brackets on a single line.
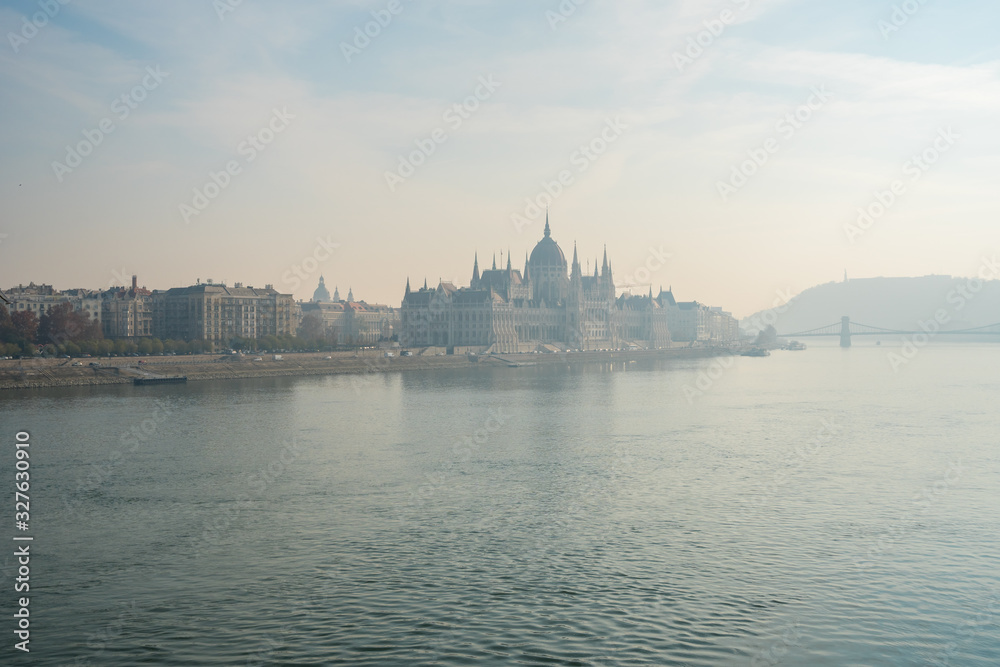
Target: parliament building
[(548, 306)]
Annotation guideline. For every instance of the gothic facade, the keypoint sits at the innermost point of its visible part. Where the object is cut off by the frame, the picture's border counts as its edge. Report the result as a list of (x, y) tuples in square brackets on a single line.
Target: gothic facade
[(550, 304)]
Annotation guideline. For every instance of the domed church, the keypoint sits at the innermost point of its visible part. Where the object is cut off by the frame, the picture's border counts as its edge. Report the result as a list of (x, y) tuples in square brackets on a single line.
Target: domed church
[(322, 294), (548, 306)]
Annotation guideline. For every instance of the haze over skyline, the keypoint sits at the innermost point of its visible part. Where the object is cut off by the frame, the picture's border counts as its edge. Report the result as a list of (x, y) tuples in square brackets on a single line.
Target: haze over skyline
[(300, 117)]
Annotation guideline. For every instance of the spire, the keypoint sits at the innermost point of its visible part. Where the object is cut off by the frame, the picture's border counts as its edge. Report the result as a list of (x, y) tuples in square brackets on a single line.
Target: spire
[(425, 282), (494, 261), (548, 232), (508, 259), (475, 270), (525, 276), (604, 268), (336, 292), (407, 284), (350, 295), (595, 267), (575, 268)]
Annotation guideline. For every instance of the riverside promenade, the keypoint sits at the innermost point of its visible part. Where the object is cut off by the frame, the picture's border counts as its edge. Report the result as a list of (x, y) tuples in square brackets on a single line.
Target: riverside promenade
[(41, 372)]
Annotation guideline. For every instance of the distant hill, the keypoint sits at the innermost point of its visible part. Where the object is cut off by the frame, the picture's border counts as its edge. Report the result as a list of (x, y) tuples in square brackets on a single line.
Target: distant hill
[(893, 303)]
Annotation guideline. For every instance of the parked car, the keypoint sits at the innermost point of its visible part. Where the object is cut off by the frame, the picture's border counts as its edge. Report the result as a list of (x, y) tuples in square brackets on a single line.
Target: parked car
[(77, 363), (406, 353), (94, 364), (258, 358)]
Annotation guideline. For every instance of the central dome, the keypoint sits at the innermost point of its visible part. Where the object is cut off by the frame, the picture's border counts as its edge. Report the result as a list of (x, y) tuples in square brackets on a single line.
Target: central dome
[(547, 252)]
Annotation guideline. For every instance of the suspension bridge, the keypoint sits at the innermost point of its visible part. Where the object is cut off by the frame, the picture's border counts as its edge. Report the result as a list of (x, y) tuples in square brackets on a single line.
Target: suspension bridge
[(846, 329)]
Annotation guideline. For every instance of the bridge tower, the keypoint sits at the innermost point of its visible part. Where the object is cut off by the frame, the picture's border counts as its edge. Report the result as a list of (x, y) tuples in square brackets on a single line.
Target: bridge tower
[(845, 331)]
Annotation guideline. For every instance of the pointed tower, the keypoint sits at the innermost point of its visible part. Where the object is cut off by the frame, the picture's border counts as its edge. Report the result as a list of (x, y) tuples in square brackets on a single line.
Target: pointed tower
[(475, 271), (494, 261), (575, 275), (509, 269), (407, 286), (595, 268), (548, 232), (525, 276), (425, 282), (611, 282), (350, 295), (604, 267), (336, 293)]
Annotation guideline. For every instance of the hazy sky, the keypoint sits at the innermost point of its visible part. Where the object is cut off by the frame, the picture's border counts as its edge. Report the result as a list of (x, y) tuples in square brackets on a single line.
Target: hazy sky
[(114, 113)]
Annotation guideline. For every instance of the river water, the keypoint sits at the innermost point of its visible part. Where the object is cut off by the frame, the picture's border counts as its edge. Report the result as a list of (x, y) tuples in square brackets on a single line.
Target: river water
[(810, 508)]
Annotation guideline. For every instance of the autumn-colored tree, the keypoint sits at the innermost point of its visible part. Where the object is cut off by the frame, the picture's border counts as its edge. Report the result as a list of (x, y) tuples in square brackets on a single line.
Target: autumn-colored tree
[(6, 324), (62, 324), (17, 332), (25, 324)]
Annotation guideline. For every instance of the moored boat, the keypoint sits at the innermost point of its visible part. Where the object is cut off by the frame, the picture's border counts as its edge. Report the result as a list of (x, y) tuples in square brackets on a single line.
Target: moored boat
[(175, 379)]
